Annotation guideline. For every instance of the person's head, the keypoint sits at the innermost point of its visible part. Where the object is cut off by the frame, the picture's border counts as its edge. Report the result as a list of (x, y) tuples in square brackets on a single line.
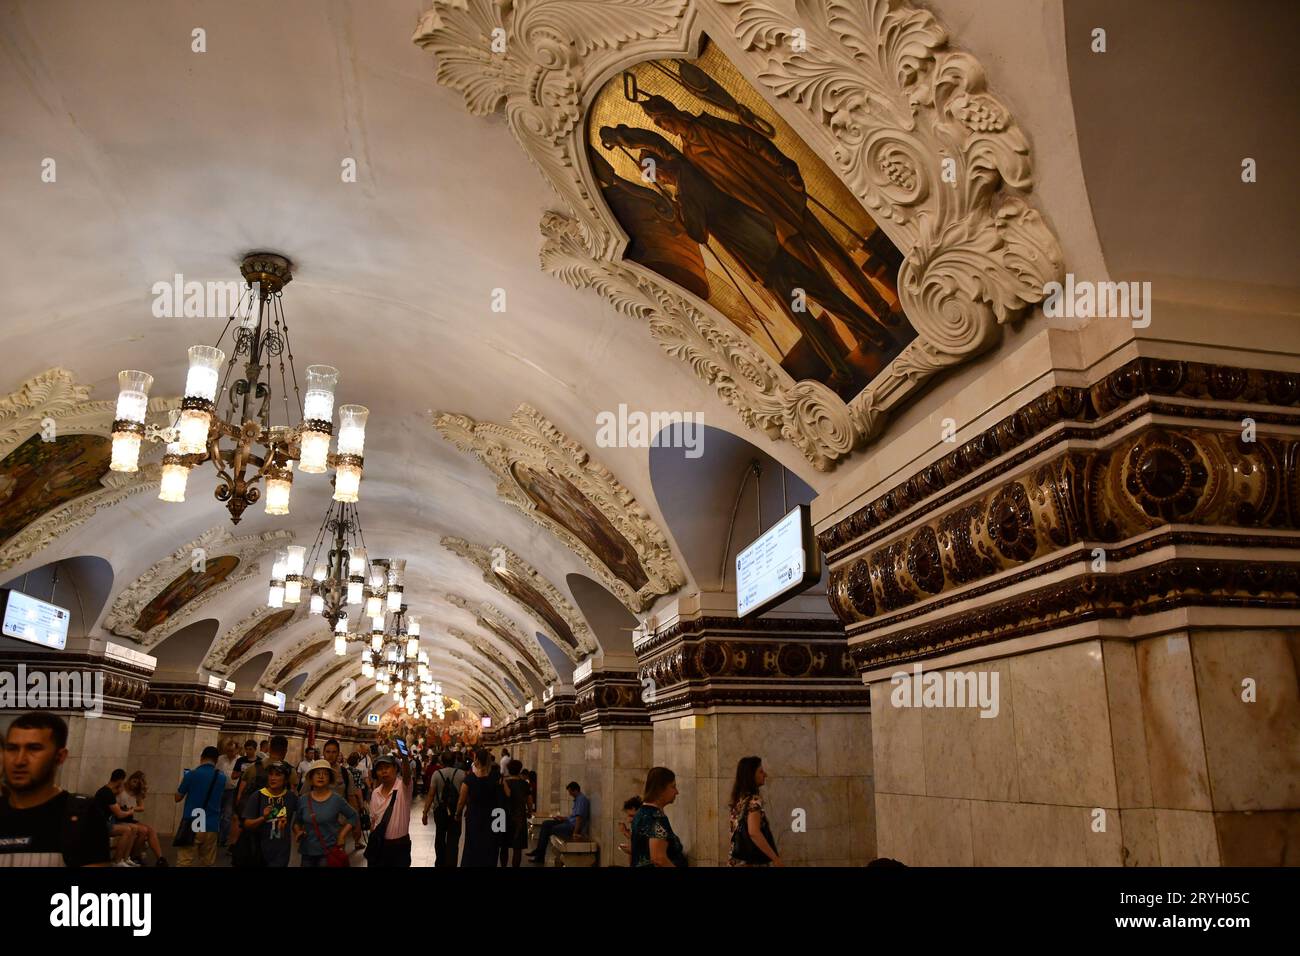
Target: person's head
[(136, 784), (266, 746), (514, 767), (750, 775), (630, 806), (354, 759), (36, 744), (250, 749), (279, 746), (321, 778), (482, 758), (665, 115), (277, 777), (448, 758), (332, 750), (386, 770), (573, 788), (660, 786), (117, 780), (209, 755), (230, 747)]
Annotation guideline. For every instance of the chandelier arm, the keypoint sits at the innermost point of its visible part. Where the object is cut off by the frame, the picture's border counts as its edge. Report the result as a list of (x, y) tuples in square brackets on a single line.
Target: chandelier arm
[(293, 369)]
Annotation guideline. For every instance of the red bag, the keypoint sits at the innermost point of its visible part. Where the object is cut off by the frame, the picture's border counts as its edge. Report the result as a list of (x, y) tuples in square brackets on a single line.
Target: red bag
[(335, 855)]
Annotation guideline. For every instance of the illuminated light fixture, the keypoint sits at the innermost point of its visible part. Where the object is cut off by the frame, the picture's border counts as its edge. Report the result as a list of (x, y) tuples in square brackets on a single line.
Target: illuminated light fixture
[(175, 474), (341, 625), (317, 606), (340, 644), (279, 484), (351, 448), (412, 625), (396, 583), (256, 449), (278, 571), (293, 573), (377, 641), (412, 648), (128, 420)]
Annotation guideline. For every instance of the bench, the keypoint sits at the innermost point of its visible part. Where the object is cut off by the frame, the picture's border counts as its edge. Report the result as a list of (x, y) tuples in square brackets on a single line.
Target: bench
[(573, 852)]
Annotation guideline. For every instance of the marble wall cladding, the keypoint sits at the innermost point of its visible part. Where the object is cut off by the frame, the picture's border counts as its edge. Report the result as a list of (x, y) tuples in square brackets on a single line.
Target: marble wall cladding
[(96, 747), (1127, 725), (924, 831), (1175, 744), (1268, 838), (164, 752), (617, 760), (1187, 838), (1252, 747)]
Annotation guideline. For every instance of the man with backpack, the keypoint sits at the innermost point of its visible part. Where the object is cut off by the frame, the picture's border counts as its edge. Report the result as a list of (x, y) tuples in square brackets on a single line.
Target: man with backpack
[(444, 793), (40, 824)]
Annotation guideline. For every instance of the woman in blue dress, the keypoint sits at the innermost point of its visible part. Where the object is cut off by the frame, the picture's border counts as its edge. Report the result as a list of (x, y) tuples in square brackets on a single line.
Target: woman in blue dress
[(653, 840)]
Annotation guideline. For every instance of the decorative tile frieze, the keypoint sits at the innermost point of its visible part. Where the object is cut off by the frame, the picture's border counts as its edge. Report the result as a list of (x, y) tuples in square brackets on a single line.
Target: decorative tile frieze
[(610, 699), (121, 685), (191, 705)]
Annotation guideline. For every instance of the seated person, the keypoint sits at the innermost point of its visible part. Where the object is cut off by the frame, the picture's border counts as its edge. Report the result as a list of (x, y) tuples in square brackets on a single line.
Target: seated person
[(571, 828)]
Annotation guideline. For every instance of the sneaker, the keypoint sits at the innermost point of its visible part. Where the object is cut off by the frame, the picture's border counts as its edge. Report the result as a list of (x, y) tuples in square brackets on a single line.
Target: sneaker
[(161, 862), (123, 863), (130, 862)]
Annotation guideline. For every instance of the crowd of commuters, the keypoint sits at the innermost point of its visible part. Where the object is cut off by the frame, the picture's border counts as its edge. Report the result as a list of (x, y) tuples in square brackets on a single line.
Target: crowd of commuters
[(260, 808)]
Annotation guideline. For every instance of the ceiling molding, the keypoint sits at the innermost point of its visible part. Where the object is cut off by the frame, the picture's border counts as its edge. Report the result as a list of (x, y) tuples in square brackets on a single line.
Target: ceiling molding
[(533, 441), (216, 542), (490, 651), (271, 678), (529, 576), (235, 634), (501, 628), (875, 92)]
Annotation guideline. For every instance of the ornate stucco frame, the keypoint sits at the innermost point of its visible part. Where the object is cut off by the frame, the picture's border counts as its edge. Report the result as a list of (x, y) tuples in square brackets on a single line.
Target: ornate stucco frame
[(216, 542), (875, 91), (488, 615), (54, 396), (235, 634), (482, 558), (532, 440)]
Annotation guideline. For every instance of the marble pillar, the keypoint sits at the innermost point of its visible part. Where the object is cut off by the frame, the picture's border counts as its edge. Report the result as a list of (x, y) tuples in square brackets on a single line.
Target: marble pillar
[(249, 719), (618, 746), (296, 723), (175, 723), (95, 685), (1110, 567), (780, 688)]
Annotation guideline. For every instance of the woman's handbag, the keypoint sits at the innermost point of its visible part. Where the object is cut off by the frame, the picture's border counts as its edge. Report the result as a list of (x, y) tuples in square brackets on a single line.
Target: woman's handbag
[(335, 855), (743, 847)]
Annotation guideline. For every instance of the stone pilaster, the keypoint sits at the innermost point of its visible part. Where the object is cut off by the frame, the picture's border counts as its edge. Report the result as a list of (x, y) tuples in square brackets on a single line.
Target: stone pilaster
[(566, 757), (1114, 566), (175, 722), (249, 720), (618, 745), (296, 724), (783, 689)]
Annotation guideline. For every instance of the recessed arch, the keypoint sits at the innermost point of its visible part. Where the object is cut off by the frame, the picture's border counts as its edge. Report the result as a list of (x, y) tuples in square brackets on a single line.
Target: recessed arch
[(608, 617), (81, 584), (183, 652), (293, 686), (559, 660), (249, 673)]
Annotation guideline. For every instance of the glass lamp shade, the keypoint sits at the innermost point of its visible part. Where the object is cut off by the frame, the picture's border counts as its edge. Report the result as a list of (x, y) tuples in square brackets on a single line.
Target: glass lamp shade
[(280, 565), (341, 625), (313, 452), (381, 686), (424, 659), (377, 642), (205, 372), (279, 484), (175, 475), (367, 669), (192, 430), (394, 598), (355, 589), (292, 592), (347, 483), (317, 604), (412, 625), (275, 598), (357, 563), (340, 644), (126, 452), (321, 572), (412, 648), (374, 607), (352, 429), (318, 402), (295, 559), (396, 572)]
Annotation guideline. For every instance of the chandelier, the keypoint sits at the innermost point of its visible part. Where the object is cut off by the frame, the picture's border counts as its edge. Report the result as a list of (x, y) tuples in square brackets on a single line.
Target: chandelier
[(394, 659), (257, 450)]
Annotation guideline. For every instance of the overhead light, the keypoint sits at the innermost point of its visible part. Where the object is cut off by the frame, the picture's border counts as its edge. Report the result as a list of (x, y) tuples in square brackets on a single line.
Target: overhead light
[(128, 420)]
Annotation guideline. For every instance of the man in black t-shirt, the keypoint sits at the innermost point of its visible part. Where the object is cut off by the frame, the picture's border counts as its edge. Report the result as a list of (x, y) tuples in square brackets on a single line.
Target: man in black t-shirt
[(116, 818), (41, 825)]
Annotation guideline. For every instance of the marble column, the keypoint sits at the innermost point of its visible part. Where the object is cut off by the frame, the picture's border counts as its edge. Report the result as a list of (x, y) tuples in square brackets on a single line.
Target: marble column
[(539, 749), (1111, 568), (94, 684), (296, 723), (780, 688), (618, 745), (175, 723), (567, 757), (249, 719)]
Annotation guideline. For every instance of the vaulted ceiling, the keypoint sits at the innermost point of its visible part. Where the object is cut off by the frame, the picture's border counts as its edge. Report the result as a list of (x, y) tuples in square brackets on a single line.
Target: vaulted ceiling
[(173, 161)]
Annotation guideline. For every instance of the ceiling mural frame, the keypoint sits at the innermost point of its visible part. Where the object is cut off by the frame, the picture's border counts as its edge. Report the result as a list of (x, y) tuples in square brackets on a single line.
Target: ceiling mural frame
[(213, 660), (490, 651), (216, 542), (54, 397), (490, 617), (289, 655), (482, 557), (534, 441), (904, 121)]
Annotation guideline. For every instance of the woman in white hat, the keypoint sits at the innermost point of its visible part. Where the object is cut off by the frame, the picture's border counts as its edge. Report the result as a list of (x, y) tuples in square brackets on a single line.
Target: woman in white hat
[(324, 819)]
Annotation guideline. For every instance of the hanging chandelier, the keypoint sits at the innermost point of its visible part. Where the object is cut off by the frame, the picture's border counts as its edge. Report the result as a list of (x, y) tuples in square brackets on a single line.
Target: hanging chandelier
[(256, 450)]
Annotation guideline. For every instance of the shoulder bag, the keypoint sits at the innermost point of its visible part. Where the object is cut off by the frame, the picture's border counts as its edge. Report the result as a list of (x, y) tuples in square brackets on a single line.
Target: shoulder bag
[(185, 832), (334, 855)]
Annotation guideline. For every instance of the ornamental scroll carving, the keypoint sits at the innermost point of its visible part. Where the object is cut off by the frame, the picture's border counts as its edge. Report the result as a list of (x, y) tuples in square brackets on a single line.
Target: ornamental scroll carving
[(516, 673), (52, 404), (536, 464), (506, 633), (213, 544), (520, 581), (215, 659), (872, 87)]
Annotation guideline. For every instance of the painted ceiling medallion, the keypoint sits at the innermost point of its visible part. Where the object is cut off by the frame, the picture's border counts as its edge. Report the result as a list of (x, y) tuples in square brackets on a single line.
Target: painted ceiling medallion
[(257, 450), (512, 575), (552, 479), (785, 297), (166, 596)]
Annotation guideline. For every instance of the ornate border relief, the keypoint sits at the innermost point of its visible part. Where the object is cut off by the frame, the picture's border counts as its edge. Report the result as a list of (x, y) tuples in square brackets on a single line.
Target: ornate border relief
[(482, 557), (491, 617), (876, 92), (236, 634), (54, 395), (216, 542), (533, 440), (489, 650)]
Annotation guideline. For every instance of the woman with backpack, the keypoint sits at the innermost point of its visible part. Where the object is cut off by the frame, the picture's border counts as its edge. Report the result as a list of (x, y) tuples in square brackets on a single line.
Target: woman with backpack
[(752, 843), (444, 794)]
